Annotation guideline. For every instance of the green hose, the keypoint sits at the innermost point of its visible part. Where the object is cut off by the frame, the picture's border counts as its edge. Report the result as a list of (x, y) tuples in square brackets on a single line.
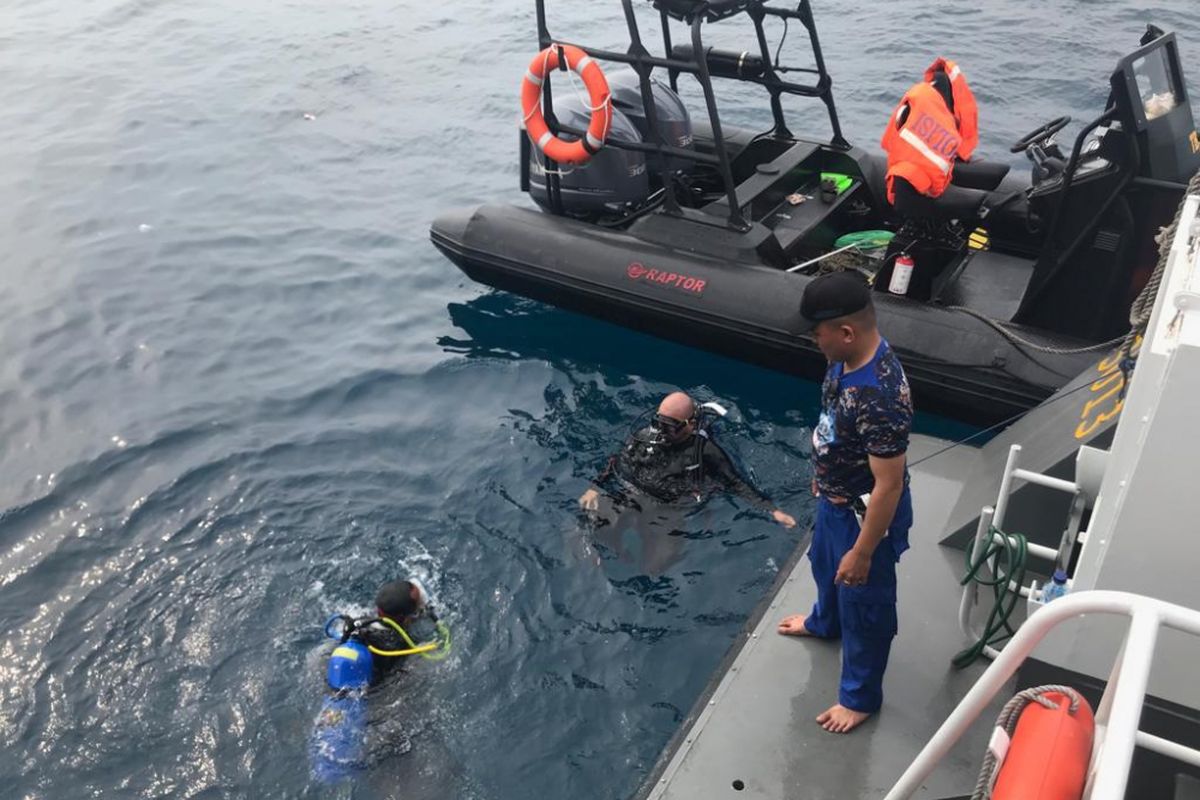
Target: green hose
[(1007, 553)]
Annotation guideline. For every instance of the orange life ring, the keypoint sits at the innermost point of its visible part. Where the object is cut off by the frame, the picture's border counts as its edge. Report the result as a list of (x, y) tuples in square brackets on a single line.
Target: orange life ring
[(1050, 752), (579, 62)]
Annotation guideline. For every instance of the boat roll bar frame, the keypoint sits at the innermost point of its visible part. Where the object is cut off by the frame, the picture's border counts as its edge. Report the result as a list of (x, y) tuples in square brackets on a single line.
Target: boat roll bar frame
[(695, 13), (1119, 713)]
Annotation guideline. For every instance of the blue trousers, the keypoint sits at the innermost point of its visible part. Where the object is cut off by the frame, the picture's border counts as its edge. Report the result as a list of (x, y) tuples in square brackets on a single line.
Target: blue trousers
[(864, 617)]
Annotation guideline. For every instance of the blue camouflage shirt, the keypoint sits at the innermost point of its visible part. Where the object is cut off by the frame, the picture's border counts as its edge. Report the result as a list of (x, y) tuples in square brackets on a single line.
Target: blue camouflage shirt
[(867, 412)]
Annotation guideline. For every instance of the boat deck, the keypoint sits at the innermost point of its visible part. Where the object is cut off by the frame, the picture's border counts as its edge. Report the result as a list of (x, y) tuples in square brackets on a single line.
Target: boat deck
[(992, 284), (755, 729)]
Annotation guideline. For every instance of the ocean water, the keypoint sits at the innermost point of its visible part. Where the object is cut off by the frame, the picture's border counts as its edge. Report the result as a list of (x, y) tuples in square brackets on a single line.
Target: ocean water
[(239, 389)]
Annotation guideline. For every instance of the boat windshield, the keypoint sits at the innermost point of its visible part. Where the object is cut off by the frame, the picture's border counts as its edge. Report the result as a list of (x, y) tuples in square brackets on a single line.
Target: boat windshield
[(1155, 84)]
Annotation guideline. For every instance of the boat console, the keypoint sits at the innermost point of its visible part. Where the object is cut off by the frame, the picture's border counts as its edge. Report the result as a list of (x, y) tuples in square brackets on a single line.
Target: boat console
[(1099, 210)]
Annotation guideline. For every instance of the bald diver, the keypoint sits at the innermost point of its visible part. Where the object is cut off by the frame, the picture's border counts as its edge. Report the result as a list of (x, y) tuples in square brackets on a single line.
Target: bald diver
[(674, 458)]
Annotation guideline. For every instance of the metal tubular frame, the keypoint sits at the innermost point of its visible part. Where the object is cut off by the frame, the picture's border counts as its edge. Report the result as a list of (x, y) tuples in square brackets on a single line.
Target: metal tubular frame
[(993, 517), (824, 87), (736, 220), (1120, 709), (643, 62)]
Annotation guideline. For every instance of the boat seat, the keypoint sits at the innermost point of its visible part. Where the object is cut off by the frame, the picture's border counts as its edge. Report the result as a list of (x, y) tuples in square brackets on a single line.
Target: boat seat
[(956, 202), (984, 175)]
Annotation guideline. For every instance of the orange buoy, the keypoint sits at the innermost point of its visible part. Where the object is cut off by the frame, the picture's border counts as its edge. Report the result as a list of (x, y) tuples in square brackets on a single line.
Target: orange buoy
[(1049, 751), (599, 97)]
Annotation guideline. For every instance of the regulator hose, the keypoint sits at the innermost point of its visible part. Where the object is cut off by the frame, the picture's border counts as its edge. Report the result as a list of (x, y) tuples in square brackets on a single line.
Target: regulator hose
[(435, 650)]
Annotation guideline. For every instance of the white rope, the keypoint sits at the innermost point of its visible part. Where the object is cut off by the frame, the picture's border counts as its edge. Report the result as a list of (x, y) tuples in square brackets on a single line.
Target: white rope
[(605, 104), (584, 98), (1020, 341), (562, 173), (1143, 304)]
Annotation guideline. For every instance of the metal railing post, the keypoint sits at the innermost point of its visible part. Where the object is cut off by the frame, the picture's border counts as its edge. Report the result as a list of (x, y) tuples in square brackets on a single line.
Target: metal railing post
[(971, 591), (736, 220), (1010, 466), (825, 82), (1120, 732), (1104, 709)]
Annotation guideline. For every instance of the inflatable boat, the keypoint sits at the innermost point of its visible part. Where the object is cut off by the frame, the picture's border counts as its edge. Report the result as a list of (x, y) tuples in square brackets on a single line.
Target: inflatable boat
[(707, 235)]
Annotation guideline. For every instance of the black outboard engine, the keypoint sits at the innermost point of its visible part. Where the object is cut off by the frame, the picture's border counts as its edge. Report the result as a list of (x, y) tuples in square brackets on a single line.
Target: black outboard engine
[(613, 181), (674, 124)]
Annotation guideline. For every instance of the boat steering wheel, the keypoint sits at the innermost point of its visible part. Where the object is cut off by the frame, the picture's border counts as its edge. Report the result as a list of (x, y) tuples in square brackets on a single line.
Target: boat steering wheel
[(1045, 132)]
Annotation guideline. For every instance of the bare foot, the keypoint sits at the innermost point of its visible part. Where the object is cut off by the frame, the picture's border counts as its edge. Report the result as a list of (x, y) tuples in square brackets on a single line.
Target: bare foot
[(839, 719), (793, 626)]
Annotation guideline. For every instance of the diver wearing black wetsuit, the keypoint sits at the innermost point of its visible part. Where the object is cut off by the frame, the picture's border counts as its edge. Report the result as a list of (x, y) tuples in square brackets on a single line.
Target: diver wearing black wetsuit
[(382, 638), (674, 458), (671, 470), (398, 601)]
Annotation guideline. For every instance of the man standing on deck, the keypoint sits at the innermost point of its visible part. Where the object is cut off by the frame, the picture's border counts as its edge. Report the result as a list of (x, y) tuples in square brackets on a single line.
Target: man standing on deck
[(859, 447)]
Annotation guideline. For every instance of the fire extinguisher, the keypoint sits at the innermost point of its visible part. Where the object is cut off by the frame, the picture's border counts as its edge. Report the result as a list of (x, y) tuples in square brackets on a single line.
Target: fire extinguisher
[(901, 274)]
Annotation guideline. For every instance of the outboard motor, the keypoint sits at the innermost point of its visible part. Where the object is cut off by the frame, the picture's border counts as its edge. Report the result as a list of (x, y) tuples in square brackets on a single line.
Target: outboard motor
[(674, 124), (613, 181), (616, 180)]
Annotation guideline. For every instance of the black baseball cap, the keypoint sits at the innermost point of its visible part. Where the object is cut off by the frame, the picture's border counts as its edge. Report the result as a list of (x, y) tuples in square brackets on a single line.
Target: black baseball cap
[(833, 295)]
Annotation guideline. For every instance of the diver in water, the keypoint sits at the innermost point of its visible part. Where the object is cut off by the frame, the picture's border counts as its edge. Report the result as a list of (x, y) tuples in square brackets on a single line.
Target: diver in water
[(674, 458), (368, 649), (398, 604), (385, 637)]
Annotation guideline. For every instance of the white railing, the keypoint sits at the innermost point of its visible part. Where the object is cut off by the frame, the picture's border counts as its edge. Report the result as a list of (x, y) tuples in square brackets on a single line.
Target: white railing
[(1120, 709), (1089, 468)]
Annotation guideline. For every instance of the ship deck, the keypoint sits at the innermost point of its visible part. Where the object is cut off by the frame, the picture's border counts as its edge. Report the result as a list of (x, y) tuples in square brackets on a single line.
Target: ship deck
[(754, 735)]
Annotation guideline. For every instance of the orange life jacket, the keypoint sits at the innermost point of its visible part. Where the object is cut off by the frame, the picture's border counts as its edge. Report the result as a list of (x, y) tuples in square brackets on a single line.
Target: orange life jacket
[(922, 149), (966, 113)]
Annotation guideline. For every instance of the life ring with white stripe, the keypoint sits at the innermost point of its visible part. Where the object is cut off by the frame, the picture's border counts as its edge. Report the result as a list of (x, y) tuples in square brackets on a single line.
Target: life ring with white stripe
[(1041, 748), (599, 99)]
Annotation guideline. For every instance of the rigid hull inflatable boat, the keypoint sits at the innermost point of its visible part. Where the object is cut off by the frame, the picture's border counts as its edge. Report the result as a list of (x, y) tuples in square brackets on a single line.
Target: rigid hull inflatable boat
[(707, 235)]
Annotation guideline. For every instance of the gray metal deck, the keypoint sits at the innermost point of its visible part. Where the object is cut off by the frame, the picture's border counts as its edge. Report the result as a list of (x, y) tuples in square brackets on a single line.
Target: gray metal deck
[(757, 726)]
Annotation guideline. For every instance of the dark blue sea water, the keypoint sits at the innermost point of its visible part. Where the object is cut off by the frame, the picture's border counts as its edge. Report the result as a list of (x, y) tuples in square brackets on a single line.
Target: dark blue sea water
[(238, 389)]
